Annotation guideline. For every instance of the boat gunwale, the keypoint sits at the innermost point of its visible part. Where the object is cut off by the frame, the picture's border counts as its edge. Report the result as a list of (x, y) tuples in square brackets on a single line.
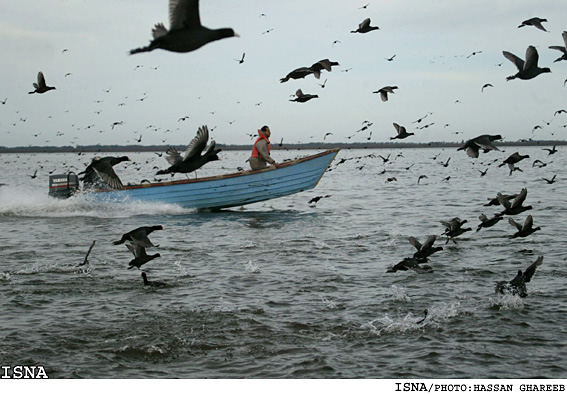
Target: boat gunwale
[(224, 176)]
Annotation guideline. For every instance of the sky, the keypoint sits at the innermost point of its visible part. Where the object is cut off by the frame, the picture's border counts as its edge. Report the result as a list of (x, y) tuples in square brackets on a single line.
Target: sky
[(163, 97)]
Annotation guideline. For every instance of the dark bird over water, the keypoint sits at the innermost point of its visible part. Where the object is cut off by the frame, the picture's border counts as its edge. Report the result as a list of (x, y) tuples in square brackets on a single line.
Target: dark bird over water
[(364, 27), (384, 92), (185, 32), (515, 207), (140, 256), (426, 249), (303, 97), (40, 86), (153, 284), (317, 198), (410, 264), (528, 69), (562, 48), (485, 222), (550, 181), (535, 22), (523, 230), (550, 151), (139, 236), (517, 286), (103, 168), (513, 159), (484, 142), (193, 159), (402, 133)]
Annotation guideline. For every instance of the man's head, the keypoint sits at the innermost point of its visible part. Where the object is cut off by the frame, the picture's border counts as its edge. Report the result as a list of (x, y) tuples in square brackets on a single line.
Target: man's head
[(266, 131)]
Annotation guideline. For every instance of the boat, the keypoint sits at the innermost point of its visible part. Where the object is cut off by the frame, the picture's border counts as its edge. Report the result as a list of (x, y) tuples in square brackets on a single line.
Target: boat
[(227, 190)]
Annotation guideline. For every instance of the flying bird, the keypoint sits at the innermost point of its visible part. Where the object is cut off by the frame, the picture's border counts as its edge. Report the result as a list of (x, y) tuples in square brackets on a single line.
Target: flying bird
[(535, 22), (298, 73), (323, 64), (516, 206), (103, 168), (523, 230), (562, 48), (364, 27), (528, 69), (426, 249), (513, 159), (410, 264), (139, 236), (241, 60), (185, 32), (484, 142), (384, 92), (40, 86), (193, 159), (402, 133), (303, 97), (550, 181), (517, 286), (486, 86), (391, 58), (486, 222), (550, 151), (140, 256)]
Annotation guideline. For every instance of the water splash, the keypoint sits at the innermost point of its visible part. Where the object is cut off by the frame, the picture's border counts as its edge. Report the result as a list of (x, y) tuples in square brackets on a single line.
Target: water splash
[(399, 294), (252, 268), (20, 202), (507, 302)]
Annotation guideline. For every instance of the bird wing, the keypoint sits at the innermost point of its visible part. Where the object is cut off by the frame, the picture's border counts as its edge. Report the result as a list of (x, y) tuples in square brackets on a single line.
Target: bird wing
[(140, 237), (40, 79), (198, 144), (413, 241), (531, 58), (528, 223), (503, 201), (184, 14), (211, 148), (383, 94), (559, 48), (105, 171), (528, 274), (564, 35), (517, 225), (86, 260), (429, 242), (134, 249), (173, 156), (519, 200), (485, 143), (364, 23), (159, 30), (514, 59), (299, 93)]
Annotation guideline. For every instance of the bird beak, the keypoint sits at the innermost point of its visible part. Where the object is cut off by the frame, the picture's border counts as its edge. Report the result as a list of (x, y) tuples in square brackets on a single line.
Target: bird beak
[(236, 35)]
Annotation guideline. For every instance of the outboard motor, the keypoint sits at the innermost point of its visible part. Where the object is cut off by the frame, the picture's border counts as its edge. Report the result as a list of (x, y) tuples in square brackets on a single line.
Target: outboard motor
[(63, 186)]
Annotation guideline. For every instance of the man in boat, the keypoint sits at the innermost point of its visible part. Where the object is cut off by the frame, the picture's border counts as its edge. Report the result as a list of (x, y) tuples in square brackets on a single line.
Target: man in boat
[(261, 150)]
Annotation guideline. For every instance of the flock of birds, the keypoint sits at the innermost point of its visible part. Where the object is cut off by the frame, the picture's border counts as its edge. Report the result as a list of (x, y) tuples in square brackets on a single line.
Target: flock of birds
[(186, 34)]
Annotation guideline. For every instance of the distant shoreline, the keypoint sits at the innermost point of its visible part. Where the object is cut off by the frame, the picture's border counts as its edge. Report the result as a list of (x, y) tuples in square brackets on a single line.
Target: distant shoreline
[(275, 146)]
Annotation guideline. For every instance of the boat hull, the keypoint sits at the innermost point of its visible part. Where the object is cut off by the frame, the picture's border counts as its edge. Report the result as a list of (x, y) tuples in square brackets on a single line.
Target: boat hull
[(228, 190)]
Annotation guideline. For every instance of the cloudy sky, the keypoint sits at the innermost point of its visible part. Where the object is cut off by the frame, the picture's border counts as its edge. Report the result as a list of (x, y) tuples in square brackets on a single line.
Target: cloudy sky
[(82, 48)]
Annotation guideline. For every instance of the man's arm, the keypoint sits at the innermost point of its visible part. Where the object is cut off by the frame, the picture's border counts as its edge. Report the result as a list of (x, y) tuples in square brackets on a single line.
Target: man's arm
[(262, 147)]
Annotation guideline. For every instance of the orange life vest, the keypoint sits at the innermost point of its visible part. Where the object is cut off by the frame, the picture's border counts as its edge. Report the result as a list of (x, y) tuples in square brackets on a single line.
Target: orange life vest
[(261, 136)]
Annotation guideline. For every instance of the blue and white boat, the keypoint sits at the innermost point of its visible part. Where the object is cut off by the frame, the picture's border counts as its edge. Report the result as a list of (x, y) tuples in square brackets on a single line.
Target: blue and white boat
[(228, 190)]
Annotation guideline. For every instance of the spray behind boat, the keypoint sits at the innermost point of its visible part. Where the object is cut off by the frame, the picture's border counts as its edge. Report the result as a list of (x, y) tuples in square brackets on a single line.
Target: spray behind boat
[(63, 186)]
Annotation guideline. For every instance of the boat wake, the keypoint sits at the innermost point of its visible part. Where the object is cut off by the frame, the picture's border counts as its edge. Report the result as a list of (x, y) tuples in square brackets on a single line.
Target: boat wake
[(19, 202)]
